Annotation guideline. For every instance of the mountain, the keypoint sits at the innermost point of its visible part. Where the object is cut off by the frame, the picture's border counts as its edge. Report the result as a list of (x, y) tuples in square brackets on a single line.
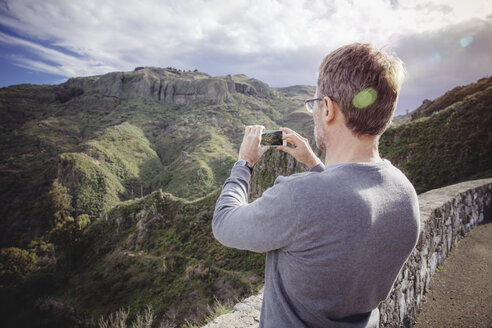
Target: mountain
[(108, 186), (121, 135), (451, 97), (448, 140), (74, 153)]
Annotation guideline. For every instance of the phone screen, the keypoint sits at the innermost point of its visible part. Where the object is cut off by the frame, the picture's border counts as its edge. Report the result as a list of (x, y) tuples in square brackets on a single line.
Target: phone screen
[(272, 138)]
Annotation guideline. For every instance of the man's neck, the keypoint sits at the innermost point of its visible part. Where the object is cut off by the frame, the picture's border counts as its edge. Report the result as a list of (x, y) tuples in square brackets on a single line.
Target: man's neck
[(352, 149)]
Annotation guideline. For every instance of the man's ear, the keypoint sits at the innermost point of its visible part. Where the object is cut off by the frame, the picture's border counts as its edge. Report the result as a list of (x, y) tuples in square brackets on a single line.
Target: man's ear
[(330, 110)]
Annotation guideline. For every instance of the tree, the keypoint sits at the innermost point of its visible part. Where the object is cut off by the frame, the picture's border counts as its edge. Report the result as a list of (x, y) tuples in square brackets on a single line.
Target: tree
[(15, 265), (61, 203), (67, 237)]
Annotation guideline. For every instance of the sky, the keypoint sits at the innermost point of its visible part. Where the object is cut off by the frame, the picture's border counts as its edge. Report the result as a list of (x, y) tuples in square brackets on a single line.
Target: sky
[(443, 43)]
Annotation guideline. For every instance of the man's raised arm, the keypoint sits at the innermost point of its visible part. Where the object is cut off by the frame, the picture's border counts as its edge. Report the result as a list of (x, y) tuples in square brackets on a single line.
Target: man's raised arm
[(270, 222)]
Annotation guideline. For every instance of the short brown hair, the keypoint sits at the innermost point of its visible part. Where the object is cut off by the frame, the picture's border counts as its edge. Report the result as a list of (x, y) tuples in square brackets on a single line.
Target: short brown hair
[(356, 70)]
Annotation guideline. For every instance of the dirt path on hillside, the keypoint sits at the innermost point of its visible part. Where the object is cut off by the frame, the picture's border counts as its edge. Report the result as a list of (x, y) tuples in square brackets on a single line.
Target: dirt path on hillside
[(460, 293)]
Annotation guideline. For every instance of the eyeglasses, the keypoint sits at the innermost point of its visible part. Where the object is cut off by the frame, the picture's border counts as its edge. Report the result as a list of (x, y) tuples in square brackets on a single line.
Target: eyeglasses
[(308, 102)]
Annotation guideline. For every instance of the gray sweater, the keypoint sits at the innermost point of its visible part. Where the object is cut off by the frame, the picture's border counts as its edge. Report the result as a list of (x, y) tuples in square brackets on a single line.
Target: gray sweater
[(336, 239)]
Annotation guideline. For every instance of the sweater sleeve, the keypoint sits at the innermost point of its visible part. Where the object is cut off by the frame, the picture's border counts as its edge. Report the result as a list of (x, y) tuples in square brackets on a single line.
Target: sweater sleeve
[(268, 223), (318, 168)]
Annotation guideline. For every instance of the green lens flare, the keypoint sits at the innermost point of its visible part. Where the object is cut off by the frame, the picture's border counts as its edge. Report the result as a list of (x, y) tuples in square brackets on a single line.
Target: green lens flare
[(365, 98), (466, 41)]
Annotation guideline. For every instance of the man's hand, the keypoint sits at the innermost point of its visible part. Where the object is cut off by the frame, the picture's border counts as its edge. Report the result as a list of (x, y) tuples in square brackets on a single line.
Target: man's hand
[(303, 152), (251, 150)]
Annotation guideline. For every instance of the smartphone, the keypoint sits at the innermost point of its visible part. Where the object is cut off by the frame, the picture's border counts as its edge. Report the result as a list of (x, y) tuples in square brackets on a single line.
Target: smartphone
[(272, 138)]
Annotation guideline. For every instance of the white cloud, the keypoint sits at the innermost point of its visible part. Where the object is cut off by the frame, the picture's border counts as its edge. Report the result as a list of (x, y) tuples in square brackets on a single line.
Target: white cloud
[(280, 42), (54, 62)]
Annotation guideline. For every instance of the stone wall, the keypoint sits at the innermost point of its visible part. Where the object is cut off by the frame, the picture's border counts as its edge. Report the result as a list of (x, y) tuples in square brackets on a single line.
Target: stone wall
[(446, 214)]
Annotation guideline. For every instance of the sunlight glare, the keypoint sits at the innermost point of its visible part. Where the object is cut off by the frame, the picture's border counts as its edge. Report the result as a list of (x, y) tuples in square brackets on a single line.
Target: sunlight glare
[(466, 41)]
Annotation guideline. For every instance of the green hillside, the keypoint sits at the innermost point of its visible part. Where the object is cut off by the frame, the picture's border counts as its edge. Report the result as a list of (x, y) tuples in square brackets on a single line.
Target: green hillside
[(80, 241), (451, 97), (122, 135), (448, 145), (93, 146)]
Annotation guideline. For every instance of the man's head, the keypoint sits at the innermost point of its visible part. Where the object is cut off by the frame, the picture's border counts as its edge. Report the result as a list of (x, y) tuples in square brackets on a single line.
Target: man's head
[(365, 83)]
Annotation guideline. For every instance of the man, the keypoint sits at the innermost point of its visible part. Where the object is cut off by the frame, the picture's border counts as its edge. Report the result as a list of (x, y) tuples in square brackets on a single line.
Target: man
[(337, 236)]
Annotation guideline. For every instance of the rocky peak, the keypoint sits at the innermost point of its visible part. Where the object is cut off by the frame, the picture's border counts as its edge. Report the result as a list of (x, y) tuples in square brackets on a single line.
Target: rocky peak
[(170, 85)]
